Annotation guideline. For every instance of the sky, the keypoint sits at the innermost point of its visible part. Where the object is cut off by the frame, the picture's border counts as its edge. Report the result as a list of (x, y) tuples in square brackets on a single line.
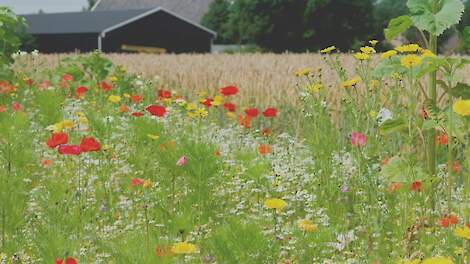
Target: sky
[(48, 6)]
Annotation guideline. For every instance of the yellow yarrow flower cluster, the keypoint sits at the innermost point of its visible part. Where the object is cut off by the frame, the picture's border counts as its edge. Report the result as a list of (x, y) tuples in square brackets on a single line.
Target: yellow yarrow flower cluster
[(388, 54), (410, 61), (462, 107), (307, 225), (198, 113), (82, 120), (425, 53), (361, 56), (275, 203), (303, 72), (314, 88), (408, 48), (463, 232), (218, 100), (61, 126), (368, 50), (351, 83), (433, 260), (328, 50), (153, 136), (373, 42), (114, 98), (184, 248)]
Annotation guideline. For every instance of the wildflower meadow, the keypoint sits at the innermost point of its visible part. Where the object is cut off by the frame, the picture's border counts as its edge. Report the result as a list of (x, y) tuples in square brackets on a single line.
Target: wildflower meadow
[(102, 165)]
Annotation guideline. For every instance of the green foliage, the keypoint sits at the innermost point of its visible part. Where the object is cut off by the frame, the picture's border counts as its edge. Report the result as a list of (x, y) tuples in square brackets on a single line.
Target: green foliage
[(461, 90), (435, 16), (217, 19), (10, 26), (397, 26)]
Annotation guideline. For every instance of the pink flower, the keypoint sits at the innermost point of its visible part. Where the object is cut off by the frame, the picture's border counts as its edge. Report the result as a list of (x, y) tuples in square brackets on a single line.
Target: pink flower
[(182, 161), (358, 139)]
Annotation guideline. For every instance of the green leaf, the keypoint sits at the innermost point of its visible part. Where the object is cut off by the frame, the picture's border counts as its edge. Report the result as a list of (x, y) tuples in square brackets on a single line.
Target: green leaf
[(461, 90), (392, 125), (465, 38), (435, 16), (397, 26), (402, 170)]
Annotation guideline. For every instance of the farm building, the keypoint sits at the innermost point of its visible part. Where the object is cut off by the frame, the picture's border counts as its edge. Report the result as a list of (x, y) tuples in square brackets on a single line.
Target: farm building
[(192, 10), (154, 29)]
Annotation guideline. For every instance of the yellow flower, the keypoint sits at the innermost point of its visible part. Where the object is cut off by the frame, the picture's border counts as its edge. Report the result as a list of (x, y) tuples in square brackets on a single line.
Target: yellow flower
[(303, 72), (114, 98), (152, 136), (408, 48), (147, 184), (275, 203), (462, 107), (328, 50), (388, 54), (438, 260), (218, 100), (231, 115), (410, 61), (126, 95), (351, 83), (373, 114), (314, 88), (463, 232), (113, 78), (66, 124), (83, 120), (184, 248), (191, 106), (368, 50), (201, 112), (373, 42), (362, 56), (374, 84), (307, 225), (425, 53), (202, 94)]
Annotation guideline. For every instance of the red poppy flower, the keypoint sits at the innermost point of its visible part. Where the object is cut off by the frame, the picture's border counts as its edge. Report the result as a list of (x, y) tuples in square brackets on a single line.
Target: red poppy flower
[(137, 181), (416, 186), (29, 82), (136, 98), (207, 102), (69, 149), (229, 90), (16, 106), (80, 91), (468, 225), (89, 144), (453, 219), (264, 149), (57, 139), (156, 110), (44, 85), (164, 94), (230, 107), (105, 86), (444, 222), (441, 139), (137, 114), (252, 112), (67, 77), (270, 112), (456, 167), (67, 261)]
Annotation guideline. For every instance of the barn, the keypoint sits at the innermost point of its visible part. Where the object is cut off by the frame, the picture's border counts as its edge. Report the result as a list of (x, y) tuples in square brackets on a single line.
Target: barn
[(117, 30)]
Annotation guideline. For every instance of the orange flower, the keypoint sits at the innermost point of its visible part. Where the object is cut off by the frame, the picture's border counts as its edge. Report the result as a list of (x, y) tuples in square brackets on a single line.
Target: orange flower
[(266, 132), (264, 149), (124, 109), (245, 121), (2, 108), (394, 186), (457, 168), (46, 163), (453, 219)]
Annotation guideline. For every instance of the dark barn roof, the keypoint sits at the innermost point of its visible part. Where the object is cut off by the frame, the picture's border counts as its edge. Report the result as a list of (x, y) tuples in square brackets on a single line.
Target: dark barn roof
[(91, 22), (193, 10), (78, 22)]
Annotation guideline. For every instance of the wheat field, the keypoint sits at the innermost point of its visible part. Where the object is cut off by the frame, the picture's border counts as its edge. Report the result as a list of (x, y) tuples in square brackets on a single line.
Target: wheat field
[(263, 78)]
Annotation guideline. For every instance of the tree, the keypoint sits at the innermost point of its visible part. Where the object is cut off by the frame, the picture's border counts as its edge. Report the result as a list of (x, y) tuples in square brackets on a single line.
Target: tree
[(91, 4), (217, 19)]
